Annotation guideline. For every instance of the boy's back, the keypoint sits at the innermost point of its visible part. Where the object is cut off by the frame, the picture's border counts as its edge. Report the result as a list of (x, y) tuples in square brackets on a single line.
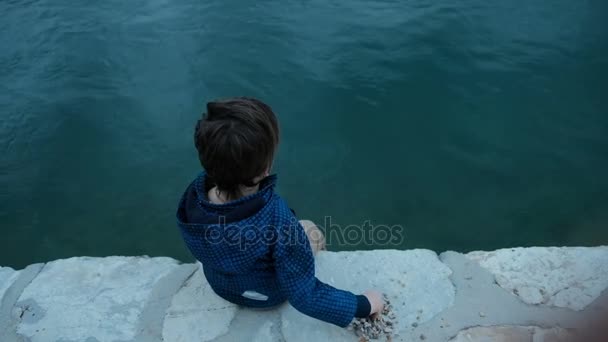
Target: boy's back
[(253, 250)]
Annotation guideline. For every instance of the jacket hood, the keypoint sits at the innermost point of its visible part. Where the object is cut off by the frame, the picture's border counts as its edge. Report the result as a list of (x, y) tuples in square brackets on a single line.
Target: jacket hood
[(196, 209)]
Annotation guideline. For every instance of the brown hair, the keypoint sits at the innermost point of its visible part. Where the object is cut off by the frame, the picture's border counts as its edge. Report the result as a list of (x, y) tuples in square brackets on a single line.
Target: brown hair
[(236, 141)]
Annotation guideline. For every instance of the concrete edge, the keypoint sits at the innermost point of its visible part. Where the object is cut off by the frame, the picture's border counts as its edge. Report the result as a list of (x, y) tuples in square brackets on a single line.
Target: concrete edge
[(8, 320), (152, 317), (480, 302)]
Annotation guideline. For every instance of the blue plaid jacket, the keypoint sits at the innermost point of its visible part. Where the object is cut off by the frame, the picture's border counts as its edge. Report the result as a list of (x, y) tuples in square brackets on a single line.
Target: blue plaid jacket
[(255, 253)]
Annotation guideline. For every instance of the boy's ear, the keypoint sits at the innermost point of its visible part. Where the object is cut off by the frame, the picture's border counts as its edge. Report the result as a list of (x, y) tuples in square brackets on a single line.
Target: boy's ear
[(259, 178)]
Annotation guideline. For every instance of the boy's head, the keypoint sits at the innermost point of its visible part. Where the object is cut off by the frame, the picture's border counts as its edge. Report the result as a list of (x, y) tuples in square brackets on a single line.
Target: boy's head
[(236, 141)]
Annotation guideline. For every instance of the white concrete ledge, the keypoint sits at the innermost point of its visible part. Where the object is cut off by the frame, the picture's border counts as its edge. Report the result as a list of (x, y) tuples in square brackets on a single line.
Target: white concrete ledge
[(524, 292), (563, 277)]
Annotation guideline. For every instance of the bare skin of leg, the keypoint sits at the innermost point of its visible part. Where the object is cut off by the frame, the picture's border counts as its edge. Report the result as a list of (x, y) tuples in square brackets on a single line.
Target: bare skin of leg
[(315, 236)]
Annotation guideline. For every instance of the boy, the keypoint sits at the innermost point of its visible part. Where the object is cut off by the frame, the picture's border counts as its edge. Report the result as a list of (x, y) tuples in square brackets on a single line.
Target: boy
[(253, 250)]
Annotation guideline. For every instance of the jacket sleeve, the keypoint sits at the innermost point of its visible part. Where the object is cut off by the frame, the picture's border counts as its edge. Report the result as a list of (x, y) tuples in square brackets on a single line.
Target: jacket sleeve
[(295, 269)]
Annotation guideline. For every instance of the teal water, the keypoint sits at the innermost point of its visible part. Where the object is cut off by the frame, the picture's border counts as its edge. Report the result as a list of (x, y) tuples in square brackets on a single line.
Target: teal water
[(472, 124)]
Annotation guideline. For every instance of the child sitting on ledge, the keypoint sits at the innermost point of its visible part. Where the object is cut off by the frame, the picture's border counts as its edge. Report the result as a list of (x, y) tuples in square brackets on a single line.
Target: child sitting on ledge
[(254, 251)]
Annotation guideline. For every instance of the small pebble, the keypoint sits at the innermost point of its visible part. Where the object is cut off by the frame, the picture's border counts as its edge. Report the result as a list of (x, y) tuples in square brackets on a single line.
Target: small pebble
[(373, 327), (415, 324), (482, 314), (422, 337)]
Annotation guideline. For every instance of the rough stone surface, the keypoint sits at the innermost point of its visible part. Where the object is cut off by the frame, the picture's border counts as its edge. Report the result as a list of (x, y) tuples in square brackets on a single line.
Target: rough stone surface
[(264, 333), (512, 334), (12, 290), (568, 277), (197, 313), (82, 299), (153, 314), (415, 281), (454, 297), (7, 277), (253, 325)]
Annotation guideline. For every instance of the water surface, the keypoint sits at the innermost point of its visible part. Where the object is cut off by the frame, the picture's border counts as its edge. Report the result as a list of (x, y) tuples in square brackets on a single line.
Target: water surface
[(472, 124)]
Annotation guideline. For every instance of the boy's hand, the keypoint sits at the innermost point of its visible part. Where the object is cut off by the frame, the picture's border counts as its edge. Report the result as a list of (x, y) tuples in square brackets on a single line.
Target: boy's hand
[(376, 300)]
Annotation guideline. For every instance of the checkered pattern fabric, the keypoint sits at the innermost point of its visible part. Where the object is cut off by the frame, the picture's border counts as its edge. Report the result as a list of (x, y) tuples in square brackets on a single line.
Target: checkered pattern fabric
[(267, 252)]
